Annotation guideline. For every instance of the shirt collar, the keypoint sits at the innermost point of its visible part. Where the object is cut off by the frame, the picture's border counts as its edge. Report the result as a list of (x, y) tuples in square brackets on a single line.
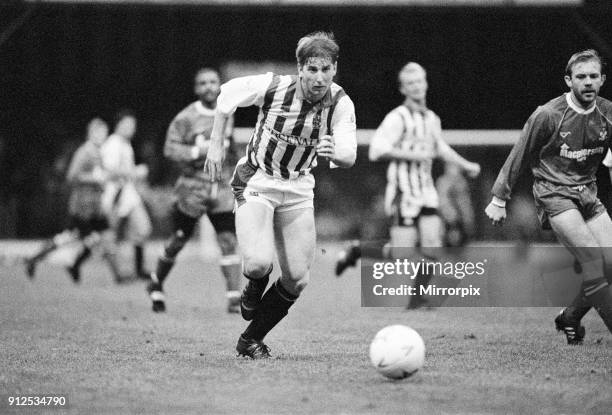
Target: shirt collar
[(202, 109), (326, 101), (576, 108), (415, 107)]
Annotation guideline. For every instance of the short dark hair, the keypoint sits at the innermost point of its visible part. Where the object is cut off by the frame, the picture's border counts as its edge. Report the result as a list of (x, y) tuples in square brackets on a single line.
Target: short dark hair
[(121, 114), (583, 56), (317, 44)]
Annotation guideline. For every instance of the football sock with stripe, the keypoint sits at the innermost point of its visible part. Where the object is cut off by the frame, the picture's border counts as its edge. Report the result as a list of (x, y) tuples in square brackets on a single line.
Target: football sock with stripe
[(274, 307)]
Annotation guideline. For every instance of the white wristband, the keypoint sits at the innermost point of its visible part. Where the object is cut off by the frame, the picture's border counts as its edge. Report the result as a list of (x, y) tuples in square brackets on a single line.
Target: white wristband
[(195, 152), (498, 202)]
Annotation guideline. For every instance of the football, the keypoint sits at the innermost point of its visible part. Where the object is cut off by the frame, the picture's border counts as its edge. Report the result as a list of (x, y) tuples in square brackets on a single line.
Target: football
[(397, 352)]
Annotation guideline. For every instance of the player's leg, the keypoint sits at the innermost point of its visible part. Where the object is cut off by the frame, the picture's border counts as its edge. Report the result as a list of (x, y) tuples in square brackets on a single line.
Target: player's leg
[(65, 237), (139, 225), (295, 243), (254, 231), (231, 265), (108, 242), (572, 231), (601, 228), (430, 240), (87, 229), (348, 257), (404, 235), (183, 226)]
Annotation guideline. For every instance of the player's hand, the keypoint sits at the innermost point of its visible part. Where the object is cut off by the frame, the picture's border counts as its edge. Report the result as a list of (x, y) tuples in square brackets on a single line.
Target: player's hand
[(213, 165), (496, 213), (202, 144), (473, 170), (141, 172), (99, 175), (326, 147)]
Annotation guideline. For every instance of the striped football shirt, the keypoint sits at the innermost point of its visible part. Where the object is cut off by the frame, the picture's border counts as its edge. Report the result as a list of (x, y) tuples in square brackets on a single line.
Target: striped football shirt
[(408, 182), (288, 128)]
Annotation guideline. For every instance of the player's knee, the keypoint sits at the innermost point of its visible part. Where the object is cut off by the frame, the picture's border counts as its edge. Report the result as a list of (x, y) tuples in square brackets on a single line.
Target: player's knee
[(227, 243), (257, 265)]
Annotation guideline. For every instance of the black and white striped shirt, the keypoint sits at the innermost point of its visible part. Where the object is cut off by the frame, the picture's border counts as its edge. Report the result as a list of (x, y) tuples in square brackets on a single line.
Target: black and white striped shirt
[(288, 126)]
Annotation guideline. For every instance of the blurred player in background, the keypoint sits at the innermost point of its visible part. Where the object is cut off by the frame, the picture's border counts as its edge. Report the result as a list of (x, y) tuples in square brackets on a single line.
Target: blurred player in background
[(187, 142), (563, 143), (410, 137), (456, 209), (121, 200), (86, 177), (301, 117)]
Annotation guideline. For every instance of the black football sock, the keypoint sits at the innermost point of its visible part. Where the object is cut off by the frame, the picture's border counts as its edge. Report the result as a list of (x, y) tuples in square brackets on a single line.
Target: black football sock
[(274, 307), (578, 308), (599, 293), (139, 259), (164, 266)]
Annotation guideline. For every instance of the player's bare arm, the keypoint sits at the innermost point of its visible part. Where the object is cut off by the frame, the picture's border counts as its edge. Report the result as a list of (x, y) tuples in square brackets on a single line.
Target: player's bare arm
[(216, 151), (449, 155)]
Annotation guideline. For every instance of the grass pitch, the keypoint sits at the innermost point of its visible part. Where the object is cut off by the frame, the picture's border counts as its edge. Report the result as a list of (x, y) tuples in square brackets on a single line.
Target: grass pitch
[(100, 345)]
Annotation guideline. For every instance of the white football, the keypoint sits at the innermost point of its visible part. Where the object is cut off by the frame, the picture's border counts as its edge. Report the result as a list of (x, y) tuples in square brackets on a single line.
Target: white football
[(397, 352)]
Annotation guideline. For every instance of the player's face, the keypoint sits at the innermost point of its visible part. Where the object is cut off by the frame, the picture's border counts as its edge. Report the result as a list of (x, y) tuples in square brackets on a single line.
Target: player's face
[(207, 87), (316, 76), (413, 85), (127, 127), (98, 133), (585, 82)]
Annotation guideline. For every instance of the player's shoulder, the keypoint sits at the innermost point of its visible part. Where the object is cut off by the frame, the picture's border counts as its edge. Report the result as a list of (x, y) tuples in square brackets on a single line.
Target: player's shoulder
[(605, 105), (187, 112), (111, 141), (431, 114), (552, 109), (554, 105), (82, 150), (338, 93)]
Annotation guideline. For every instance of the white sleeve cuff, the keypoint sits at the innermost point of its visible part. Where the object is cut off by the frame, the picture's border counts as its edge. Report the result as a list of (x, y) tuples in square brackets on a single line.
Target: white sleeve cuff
[(607, 161), (498, 202), (195, 152)]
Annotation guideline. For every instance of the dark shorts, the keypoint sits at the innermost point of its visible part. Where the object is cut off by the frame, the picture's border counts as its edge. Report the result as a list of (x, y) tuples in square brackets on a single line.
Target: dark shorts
[(222, 221), (552, 199), (196, 196), (88, 226), (400, 220)]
